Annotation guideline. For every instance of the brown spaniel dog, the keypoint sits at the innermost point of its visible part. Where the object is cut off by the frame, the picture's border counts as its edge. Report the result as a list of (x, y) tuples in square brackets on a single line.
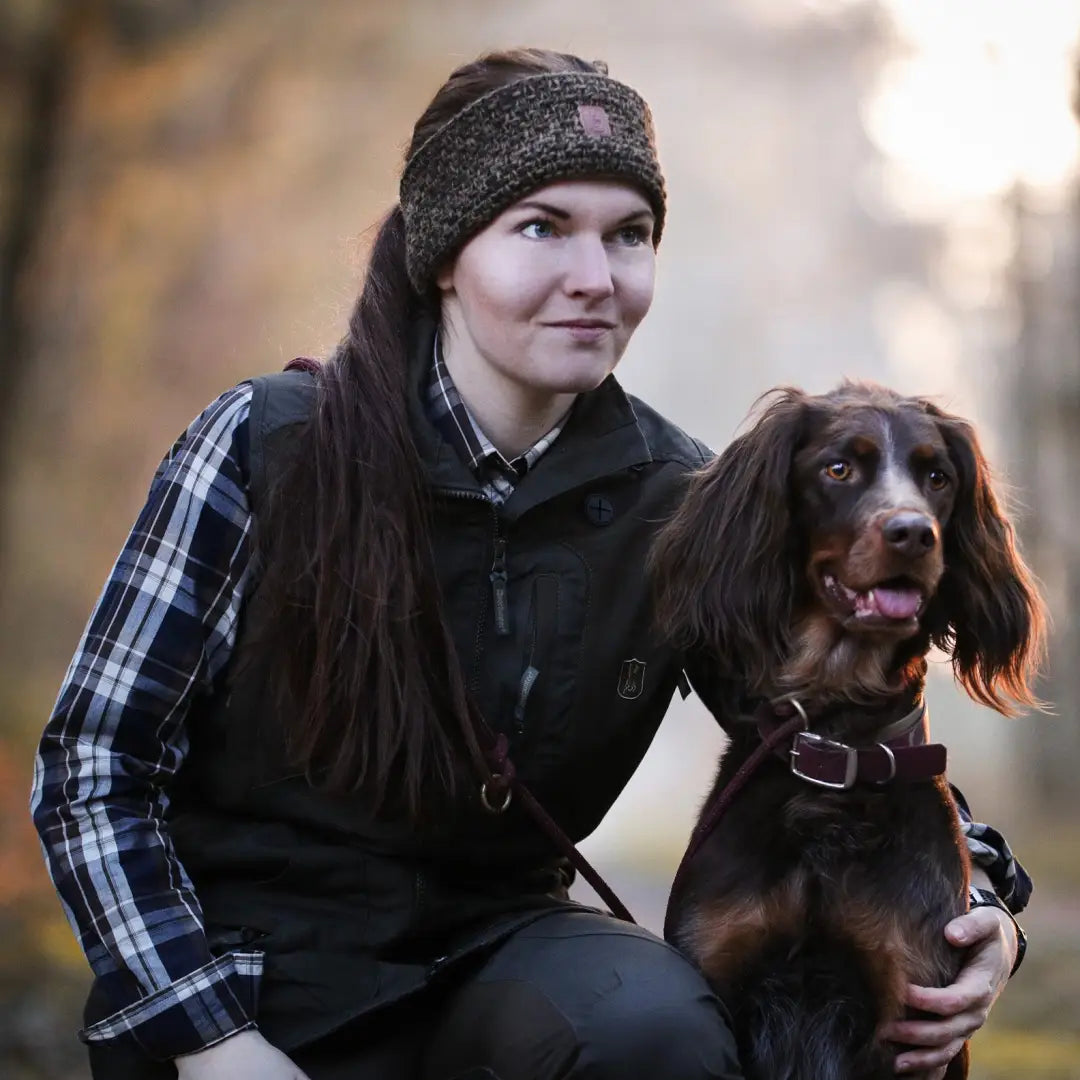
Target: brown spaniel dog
[(812, 567)]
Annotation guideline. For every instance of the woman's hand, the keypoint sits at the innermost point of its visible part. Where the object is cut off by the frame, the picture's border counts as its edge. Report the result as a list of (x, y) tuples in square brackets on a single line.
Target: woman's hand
[(990, 937), (243, 1056)]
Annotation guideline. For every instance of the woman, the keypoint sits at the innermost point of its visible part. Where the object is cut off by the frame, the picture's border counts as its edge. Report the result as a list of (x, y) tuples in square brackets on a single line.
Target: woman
[(260, 792)]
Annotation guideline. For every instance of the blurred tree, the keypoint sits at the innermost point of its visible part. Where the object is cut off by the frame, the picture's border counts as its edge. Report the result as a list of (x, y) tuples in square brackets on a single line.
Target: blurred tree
[(50, 50), (36, 43), (41, 44), (1046, 439)]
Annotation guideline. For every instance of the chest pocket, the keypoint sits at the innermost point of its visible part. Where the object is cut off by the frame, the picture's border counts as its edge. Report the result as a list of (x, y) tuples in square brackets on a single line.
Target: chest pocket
[(542, 627), (538, 664)]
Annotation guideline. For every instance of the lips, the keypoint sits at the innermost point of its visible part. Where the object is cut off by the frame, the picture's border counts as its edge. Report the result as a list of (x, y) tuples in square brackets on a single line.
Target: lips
[(892, 601), (585, 324)]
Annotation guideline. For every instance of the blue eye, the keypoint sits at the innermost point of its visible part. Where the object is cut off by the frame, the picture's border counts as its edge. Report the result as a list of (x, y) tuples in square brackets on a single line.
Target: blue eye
[(540, 229), (633, 235)]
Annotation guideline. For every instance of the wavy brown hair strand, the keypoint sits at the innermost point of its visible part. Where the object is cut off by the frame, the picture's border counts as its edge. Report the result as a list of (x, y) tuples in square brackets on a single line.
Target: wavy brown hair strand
[(371, 690)]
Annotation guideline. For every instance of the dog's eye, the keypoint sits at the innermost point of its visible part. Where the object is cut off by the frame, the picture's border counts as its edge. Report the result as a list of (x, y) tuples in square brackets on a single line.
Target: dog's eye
[(838, 470), (936, 479)]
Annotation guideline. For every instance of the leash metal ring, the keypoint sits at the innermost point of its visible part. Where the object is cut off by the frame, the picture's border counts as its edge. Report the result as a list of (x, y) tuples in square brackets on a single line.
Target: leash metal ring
[(488, 806), (797, 706), (892, 765)]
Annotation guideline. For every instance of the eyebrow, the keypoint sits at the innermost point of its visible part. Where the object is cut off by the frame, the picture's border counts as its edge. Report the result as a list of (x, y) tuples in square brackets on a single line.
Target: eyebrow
[(924, 452), (565, 215)]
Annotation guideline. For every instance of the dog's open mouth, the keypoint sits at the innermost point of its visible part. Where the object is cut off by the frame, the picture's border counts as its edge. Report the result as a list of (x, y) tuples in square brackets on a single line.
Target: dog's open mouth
[(897, 600)]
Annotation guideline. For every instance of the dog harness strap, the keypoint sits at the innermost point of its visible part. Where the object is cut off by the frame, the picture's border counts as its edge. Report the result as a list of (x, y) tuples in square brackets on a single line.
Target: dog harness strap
[(836, 765)]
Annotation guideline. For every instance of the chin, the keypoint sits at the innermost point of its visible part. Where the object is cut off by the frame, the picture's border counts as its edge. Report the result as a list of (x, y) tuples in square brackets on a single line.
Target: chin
[(576, 374)]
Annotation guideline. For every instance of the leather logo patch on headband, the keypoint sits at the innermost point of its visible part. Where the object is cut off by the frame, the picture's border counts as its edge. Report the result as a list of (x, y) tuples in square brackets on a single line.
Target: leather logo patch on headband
[(594, 120)]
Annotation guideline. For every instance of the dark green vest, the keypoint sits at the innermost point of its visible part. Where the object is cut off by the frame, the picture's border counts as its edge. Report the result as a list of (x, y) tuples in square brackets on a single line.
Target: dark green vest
[(353, 913)]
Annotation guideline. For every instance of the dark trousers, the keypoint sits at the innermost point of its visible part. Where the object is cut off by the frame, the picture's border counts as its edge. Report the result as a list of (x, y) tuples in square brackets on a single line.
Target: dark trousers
[(572, 996)]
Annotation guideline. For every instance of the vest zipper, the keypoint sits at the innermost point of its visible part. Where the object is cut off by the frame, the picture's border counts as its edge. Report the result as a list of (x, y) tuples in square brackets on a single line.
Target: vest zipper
[(498, 584), (497, 577)]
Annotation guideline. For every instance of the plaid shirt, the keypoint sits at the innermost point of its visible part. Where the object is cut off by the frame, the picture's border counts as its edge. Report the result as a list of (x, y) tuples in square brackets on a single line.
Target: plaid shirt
[(455, 423), (161, 634)]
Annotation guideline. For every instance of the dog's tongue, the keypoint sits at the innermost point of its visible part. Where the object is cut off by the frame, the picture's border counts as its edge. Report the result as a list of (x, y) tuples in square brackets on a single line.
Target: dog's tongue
[(893, 603)]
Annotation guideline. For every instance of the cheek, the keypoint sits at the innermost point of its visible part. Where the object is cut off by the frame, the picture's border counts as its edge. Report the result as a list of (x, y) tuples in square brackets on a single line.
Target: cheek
[(835, 513), (944, 509), (497, 312), (502, 282), (636, 288)]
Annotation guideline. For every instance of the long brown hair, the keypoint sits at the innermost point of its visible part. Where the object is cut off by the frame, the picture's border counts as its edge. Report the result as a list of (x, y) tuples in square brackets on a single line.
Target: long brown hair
[(373, 697)]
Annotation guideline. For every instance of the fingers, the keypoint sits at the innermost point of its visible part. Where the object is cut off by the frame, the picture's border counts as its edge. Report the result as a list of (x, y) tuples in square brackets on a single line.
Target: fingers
[(978, 925), (963, 1006), (985, 971), (935, 1033), (962, 1012), (970, 992), (923, 1060)]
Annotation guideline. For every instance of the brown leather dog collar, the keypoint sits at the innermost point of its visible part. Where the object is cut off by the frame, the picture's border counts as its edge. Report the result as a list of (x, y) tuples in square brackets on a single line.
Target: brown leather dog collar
[(899, 754)]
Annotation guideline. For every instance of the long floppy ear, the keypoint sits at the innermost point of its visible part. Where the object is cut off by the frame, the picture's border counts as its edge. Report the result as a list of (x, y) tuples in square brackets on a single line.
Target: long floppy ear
[(996, 616), (725, 565)]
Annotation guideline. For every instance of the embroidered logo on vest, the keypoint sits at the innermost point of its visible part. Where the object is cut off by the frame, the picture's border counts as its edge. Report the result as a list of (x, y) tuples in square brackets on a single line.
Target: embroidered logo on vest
[(594, 120), (631, 679)]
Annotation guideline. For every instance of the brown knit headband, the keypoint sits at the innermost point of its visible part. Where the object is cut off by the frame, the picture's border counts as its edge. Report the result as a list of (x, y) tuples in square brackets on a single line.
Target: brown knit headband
[(532, 132)]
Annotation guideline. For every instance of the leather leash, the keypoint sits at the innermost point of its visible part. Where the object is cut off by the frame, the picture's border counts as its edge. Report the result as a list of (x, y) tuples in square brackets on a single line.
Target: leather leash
[(724, 799), (501, 784)]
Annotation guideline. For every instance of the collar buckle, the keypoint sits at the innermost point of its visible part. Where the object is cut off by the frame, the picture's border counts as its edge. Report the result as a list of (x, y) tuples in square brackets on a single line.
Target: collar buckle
[(851, 761)]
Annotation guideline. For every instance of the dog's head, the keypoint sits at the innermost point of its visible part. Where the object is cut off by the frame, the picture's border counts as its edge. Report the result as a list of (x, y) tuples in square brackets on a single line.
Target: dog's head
[(838, 539)]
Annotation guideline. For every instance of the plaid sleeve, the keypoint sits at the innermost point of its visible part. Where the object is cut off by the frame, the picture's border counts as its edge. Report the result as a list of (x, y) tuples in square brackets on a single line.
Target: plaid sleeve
[(160, 634), (206, 1005), (990, 850)]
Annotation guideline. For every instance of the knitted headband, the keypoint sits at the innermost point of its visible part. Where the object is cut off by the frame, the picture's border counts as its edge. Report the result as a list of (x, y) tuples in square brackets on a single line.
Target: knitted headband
[(510, 141)]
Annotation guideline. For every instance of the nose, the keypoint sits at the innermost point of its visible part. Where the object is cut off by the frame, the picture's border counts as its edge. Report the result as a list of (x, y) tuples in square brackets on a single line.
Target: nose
[(910, 533), (588, 270)]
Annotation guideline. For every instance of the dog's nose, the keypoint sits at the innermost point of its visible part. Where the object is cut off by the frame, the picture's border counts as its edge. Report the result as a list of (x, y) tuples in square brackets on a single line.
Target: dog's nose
[(910, 533)]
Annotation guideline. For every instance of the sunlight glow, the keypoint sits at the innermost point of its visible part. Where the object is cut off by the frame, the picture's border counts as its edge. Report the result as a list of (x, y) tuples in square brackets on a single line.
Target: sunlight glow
[(980, 101)]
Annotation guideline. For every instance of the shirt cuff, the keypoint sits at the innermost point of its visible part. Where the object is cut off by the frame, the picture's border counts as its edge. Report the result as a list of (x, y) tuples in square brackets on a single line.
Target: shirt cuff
[(197, 1011), (990, 851)]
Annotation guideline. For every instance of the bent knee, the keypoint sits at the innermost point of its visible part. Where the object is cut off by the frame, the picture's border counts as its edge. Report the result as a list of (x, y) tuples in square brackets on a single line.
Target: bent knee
[(583, 996), (685, 1038)]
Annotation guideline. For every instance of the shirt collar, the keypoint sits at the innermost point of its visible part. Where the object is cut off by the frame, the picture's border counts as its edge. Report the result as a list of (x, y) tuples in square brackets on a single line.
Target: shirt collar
[(601, 436), (451, 416)]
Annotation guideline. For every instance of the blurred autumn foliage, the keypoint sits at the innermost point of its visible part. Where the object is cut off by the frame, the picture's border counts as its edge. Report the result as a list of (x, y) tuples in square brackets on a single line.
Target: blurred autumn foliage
[(178, 179)]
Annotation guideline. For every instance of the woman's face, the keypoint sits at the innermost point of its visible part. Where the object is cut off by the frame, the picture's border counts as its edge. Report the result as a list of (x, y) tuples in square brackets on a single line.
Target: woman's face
[(544, 300)]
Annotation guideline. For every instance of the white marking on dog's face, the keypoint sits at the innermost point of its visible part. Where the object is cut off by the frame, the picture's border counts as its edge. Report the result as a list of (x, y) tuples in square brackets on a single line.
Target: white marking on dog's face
[(896, 487)]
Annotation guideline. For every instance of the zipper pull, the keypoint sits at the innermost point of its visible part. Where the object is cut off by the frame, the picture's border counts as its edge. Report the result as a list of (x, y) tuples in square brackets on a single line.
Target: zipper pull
[(498, 588), (528, 681)]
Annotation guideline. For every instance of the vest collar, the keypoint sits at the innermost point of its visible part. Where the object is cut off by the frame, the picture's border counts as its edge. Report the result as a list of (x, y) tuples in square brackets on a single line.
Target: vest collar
[(601, 436)]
